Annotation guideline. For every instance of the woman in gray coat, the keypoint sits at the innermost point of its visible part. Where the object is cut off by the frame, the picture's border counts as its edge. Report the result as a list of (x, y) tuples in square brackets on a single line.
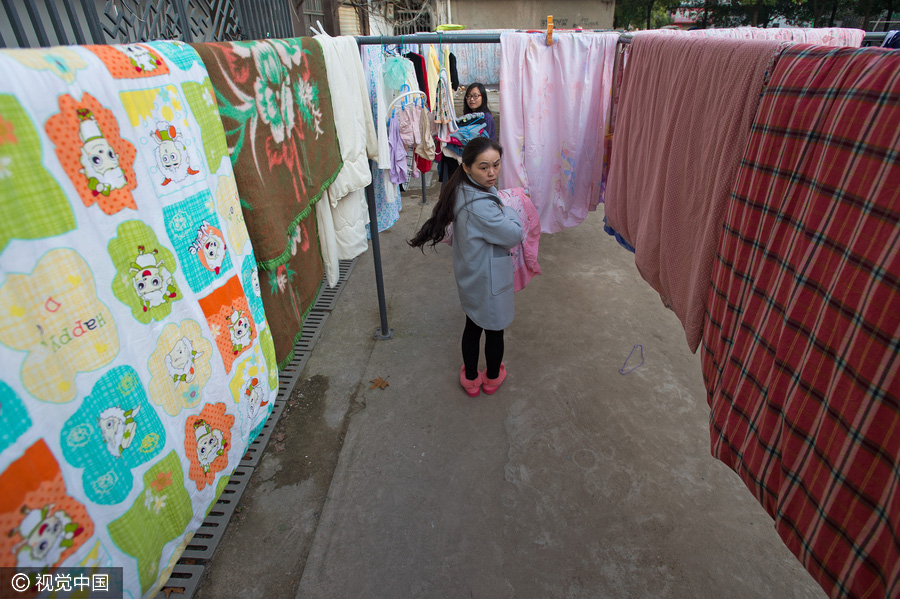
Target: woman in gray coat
[(483, 233)]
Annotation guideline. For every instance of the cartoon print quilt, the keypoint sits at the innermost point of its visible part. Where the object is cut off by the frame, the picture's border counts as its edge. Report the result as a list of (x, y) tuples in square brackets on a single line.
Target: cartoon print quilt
[(137, 360), (275, 105)]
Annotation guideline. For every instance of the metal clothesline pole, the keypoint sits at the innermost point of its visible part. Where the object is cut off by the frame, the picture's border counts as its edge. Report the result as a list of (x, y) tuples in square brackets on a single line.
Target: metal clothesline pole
[(429, 38), (420, 38)]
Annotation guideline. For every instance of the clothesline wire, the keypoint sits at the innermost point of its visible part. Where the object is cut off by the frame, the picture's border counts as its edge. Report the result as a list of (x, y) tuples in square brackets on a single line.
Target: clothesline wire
[(494, 38)]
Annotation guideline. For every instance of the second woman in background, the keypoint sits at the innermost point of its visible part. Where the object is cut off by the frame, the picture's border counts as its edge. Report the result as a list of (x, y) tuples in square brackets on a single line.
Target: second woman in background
[(476, 100)]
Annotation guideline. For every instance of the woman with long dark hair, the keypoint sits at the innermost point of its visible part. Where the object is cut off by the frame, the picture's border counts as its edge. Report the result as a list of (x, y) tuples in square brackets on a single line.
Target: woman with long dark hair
[(483, 233)]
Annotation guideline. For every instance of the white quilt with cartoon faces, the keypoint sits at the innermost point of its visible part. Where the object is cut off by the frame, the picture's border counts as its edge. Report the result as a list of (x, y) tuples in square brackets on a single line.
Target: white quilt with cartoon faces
[(137, 361)]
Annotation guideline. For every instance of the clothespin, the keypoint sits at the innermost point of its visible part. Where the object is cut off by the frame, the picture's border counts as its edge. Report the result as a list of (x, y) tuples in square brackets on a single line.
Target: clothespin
[(549, 30)]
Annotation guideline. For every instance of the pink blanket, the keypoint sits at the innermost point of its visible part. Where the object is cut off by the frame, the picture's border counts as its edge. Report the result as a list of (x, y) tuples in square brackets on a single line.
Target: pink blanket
[(825, 36), (682, 126), (524, 255), (554, 101)]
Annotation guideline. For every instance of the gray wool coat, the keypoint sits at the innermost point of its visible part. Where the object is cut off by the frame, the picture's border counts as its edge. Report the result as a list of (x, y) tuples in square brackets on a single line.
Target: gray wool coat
[(483, 233)]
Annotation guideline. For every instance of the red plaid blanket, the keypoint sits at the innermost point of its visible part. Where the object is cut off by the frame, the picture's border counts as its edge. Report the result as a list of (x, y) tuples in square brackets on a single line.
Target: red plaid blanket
[(800, 348)]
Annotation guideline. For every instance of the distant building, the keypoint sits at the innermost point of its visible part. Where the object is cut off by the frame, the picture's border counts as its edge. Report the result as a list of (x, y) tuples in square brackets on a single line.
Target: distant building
[(684, 18), (406, 16), (531, 14)]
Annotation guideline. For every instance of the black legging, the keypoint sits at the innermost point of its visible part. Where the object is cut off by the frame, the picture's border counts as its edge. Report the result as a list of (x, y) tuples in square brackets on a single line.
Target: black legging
[(493, 350)]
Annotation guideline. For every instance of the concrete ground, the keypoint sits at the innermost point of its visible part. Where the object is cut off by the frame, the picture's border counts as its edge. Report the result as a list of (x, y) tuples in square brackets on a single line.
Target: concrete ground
[(573, 481)]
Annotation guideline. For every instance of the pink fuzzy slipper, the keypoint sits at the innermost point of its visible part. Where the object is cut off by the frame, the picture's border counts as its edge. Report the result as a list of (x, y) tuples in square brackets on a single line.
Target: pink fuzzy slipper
[(473, 388), (490, 386)]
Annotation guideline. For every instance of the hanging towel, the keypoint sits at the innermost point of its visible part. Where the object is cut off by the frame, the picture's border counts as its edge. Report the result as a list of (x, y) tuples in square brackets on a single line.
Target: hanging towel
[(454, 77), (444, 112), (399, 170), (138, 365), (800, 349), (418, 62), (422, 163), (671, 175), (276, 107), (432, 71), (350, 217), (387, 200), (353, 119), (554, 101), (425, 147), (358, 140)]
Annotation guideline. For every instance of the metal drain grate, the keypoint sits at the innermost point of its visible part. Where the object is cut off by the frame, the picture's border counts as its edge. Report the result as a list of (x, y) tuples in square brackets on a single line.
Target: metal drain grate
[(327, 298), (183, 582), (312, 328), (256, 449), (287, 379), (207, 537), (187, 576)]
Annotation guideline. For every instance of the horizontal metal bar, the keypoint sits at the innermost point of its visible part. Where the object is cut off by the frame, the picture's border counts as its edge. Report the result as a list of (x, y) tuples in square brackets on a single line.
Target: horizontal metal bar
[(430, 38), (869, 37)]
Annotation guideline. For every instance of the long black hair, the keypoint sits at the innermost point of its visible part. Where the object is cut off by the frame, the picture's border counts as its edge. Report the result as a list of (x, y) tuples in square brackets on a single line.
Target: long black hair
[(483, 92), (435, 228)]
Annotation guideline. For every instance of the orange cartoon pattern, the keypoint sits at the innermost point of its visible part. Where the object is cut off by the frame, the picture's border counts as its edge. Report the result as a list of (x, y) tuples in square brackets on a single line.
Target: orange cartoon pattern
[(41, 524), (131, 61), (230, 321), (207, 439), (99, 163)]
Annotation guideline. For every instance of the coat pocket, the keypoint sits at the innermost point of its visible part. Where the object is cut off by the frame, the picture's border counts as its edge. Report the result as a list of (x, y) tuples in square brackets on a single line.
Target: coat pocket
[(501, 274)]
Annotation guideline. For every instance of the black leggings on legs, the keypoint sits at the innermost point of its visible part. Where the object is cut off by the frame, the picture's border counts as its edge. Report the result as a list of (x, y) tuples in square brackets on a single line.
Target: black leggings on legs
[(493, 350)]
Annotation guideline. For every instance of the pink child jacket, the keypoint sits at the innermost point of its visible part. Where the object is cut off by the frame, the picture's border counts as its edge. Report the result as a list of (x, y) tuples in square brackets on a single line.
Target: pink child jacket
[(524, 255)]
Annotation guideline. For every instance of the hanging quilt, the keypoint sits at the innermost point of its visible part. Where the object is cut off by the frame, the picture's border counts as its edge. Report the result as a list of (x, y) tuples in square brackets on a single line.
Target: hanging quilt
[(671, 176), (554, 101), (824, 36), (275, 104), (800, 349), (136, 369)]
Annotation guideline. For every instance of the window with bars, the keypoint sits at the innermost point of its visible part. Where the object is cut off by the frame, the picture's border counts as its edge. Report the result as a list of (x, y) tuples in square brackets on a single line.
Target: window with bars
[(42, 23), (413, 18)]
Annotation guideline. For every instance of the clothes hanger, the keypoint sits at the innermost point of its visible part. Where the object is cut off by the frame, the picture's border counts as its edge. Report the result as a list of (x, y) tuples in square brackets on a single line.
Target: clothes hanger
[(417, 93)]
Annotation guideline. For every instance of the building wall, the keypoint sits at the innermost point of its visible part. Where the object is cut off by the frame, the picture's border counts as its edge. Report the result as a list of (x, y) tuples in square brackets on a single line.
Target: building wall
[(531, 14)]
